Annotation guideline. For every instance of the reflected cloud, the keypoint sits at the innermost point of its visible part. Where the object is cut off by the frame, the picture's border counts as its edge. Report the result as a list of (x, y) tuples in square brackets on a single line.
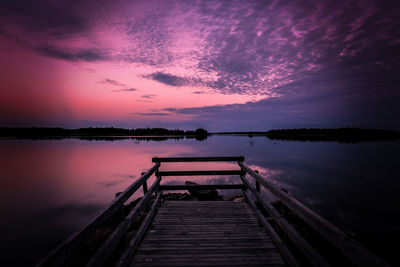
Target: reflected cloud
[(111, 183), (72, 208)]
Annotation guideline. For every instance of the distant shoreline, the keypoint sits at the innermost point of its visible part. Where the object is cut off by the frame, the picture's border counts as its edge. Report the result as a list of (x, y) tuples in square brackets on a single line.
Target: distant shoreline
[(343, 135), (97, 133)]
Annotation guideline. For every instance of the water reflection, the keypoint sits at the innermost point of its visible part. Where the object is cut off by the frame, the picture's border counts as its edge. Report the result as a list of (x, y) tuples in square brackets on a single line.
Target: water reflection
[(50, 188)]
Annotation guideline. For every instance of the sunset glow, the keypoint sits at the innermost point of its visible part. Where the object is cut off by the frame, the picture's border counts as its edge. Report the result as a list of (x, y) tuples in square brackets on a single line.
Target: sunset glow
[(221, 65)]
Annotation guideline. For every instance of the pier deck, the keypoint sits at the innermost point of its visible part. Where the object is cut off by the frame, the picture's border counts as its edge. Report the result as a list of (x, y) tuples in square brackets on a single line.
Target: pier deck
[(274, 231), (206, 233)]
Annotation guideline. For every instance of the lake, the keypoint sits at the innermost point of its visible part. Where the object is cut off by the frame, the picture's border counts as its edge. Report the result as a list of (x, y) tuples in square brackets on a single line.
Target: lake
[(51, 188)]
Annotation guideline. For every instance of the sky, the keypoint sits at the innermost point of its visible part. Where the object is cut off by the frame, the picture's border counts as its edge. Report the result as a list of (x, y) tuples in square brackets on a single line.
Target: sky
[(219, 65)]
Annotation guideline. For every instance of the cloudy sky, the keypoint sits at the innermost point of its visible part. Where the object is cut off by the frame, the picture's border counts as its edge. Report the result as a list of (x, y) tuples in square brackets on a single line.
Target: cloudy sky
[(221, 65)]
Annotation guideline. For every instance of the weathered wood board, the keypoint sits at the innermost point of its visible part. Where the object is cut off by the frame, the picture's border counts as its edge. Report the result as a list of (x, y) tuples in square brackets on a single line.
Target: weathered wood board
[(206, 233)]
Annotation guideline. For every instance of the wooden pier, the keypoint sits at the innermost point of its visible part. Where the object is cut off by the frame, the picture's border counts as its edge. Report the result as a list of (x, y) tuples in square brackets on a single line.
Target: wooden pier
[(258, 232)]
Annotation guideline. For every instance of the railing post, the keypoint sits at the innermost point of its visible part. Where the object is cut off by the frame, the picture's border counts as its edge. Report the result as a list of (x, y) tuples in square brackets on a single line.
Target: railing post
[(258, 188), (144, 185)]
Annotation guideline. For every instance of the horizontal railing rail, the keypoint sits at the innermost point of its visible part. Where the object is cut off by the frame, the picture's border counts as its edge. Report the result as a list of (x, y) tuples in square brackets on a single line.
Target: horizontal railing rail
[(200, 173), (201, 187), (198, 159)]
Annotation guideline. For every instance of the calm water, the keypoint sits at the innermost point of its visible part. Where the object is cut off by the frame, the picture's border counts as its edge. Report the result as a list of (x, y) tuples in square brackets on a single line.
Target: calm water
[(50, 189)]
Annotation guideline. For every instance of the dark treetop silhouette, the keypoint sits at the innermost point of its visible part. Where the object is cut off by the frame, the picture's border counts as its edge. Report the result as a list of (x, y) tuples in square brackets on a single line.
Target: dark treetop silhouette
[(109, 133)]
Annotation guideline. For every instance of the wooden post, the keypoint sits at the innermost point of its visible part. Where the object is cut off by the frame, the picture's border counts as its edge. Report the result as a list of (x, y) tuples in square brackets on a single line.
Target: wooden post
[(144, 186), (258, 188)]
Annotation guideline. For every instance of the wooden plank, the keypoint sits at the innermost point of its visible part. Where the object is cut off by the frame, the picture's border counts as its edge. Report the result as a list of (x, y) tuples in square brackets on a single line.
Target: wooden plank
[(197, 159), (199, 251), (102, 254), (201, 187), (202, 213), (206, 246), (209, 260), (134, 243), (285, 252), (207, 232), (203, 264), (311, 254), (155, 261), (229, 221), (195, 223), (62, 252), (204, 203), (348, 246), (193, 173), (212, 240), (248, 254), (244, 224), (203, 235)]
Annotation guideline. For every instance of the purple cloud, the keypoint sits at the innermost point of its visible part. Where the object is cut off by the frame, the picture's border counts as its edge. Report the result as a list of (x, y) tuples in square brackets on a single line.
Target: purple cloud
[(306, 105), (153, 114), (86, 54), (116, 83), (149, 96), (335, 58), (167, 79), (126, 90)]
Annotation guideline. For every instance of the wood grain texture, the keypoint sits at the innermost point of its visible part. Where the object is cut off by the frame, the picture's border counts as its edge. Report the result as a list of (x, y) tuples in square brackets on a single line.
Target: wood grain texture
[(197, 159), (206, 233), (195, 173), (202, 187)]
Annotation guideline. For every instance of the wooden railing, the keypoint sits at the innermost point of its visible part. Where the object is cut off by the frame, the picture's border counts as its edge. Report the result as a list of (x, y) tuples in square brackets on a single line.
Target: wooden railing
[(62, 255), (350, 248), (284, 235)]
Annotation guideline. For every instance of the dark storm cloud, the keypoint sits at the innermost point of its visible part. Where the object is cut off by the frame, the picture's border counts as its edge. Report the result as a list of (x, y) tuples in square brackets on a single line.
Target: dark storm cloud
[(72, 208), (72, 54)]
